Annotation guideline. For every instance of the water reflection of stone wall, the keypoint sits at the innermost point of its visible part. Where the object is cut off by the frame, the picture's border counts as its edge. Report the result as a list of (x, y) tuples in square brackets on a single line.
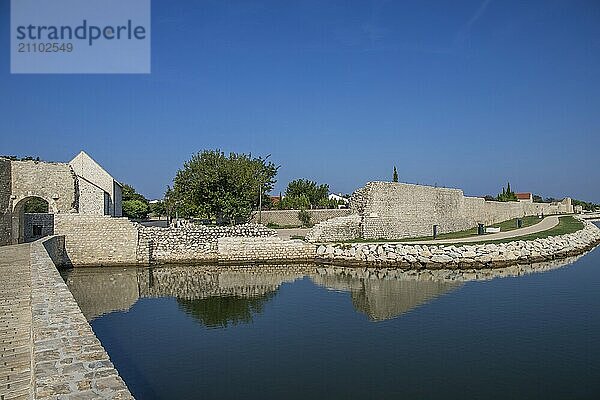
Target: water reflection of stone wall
[(381, 298), (217, 295), (203, 282), (102, 290)]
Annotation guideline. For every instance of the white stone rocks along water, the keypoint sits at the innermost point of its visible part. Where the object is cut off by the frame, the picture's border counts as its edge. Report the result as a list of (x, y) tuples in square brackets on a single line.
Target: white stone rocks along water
[(467, 256)]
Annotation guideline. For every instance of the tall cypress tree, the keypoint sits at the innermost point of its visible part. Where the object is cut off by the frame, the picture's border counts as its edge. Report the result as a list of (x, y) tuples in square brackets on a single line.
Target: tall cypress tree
[(395, 175)]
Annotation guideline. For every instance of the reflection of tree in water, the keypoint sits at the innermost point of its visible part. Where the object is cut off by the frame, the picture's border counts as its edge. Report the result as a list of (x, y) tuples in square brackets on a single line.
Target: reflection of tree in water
[(221, 311)]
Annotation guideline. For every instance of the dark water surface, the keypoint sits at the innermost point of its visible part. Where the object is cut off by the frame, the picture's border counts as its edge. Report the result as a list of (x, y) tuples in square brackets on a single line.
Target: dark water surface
[(308, 333)]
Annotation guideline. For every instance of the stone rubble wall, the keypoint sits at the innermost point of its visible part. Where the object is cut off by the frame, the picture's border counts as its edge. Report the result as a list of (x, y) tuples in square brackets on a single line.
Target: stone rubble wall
[(290, 217), (391, 210), (95, 240), (68, 359), (351, 279), (5, 202), (476, 256), (271, 249), (191, 243)]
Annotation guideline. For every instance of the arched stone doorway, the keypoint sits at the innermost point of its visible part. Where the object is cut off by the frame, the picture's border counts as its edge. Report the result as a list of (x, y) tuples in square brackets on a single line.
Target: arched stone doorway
[(33, 218)]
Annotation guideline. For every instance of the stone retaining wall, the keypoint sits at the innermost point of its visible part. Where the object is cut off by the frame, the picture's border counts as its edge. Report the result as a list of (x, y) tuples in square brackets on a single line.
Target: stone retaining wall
[(68, 359), (96, 240), (273, 249), (491, 255), (191, 243), (290, 217)]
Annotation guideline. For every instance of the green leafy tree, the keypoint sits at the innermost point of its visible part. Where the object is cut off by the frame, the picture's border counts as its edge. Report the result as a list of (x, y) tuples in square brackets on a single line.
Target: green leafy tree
[(35, 205), (134, 204), (136, 209), (225, 310), (304, 217), (315, 193), (295, 203), (158, 208), (586, 205), (223, 188), (395, 175)]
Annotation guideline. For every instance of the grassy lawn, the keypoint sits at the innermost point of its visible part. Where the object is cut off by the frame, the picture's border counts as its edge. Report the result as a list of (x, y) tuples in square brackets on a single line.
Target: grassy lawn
[(504, 226), (567, 224)]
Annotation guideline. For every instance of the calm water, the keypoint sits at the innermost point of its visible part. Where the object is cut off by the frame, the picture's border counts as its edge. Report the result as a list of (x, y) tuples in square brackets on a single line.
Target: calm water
[(190, 332)]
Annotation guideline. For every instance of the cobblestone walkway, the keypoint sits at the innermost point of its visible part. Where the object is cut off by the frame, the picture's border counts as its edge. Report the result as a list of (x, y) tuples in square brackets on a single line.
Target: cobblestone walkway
[(15, 323)]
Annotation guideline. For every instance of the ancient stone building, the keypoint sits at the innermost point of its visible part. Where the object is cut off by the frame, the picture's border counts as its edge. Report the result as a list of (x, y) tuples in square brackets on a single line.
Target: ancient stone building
[(78, 187)]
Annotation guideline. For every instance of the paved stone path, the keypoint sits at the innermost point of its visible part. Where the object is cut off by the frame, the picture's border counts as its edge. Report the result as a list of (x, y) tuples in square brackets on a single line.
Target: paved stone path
[(47, 348), (15, 323), (545, 224)]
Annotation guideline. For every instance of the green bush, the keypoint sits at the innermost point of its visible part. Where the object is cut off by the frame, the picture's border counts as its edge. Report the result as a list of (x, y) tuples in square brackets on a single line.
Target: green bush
[(136, 209), (304, 217)]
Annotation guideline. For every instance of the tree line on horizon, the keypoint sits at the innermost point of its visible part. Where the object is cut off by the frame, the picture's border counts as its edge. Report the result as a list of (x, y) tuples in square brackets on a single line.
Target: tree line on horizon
[(228, 188)]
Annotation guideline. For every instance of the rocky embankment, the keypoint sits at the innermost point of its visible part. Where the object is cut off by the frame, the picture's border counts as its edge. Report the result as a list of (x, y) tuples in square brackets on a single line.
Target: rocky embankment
[(492, 255)]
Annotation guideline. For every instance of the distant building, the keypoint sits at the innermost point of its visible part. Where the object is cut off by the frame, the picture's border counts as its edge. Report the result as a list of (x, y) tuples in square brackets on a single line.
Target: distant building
[(276, 199), (339, 198), (524, 197)]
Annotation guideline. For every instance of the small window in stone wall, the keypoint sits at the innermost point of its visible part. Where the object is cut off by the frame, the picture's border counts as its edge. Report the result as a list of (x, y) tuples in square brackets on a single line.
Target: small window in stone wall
[(37, 230)]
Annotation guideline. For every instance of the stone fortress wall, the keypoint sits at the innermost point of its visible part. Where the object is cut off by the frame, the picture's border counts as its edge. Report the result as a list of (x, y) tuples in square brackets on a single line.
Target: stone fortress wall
[(390, 210), (191, 242), (92, 240), (290, 217), (54, 182), (97, 240)]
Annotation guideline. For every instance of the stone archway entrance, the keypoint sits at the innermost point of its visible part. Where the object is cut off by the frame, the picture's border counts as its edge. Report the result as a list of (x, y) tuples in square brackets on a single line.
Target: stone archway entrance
[(33, 218)]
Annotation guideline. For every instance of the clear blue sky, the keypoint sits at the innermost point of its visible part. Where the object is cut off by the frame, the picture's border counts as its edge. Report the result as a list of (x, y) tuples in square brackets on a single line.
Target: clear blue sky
[(464, 94)]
